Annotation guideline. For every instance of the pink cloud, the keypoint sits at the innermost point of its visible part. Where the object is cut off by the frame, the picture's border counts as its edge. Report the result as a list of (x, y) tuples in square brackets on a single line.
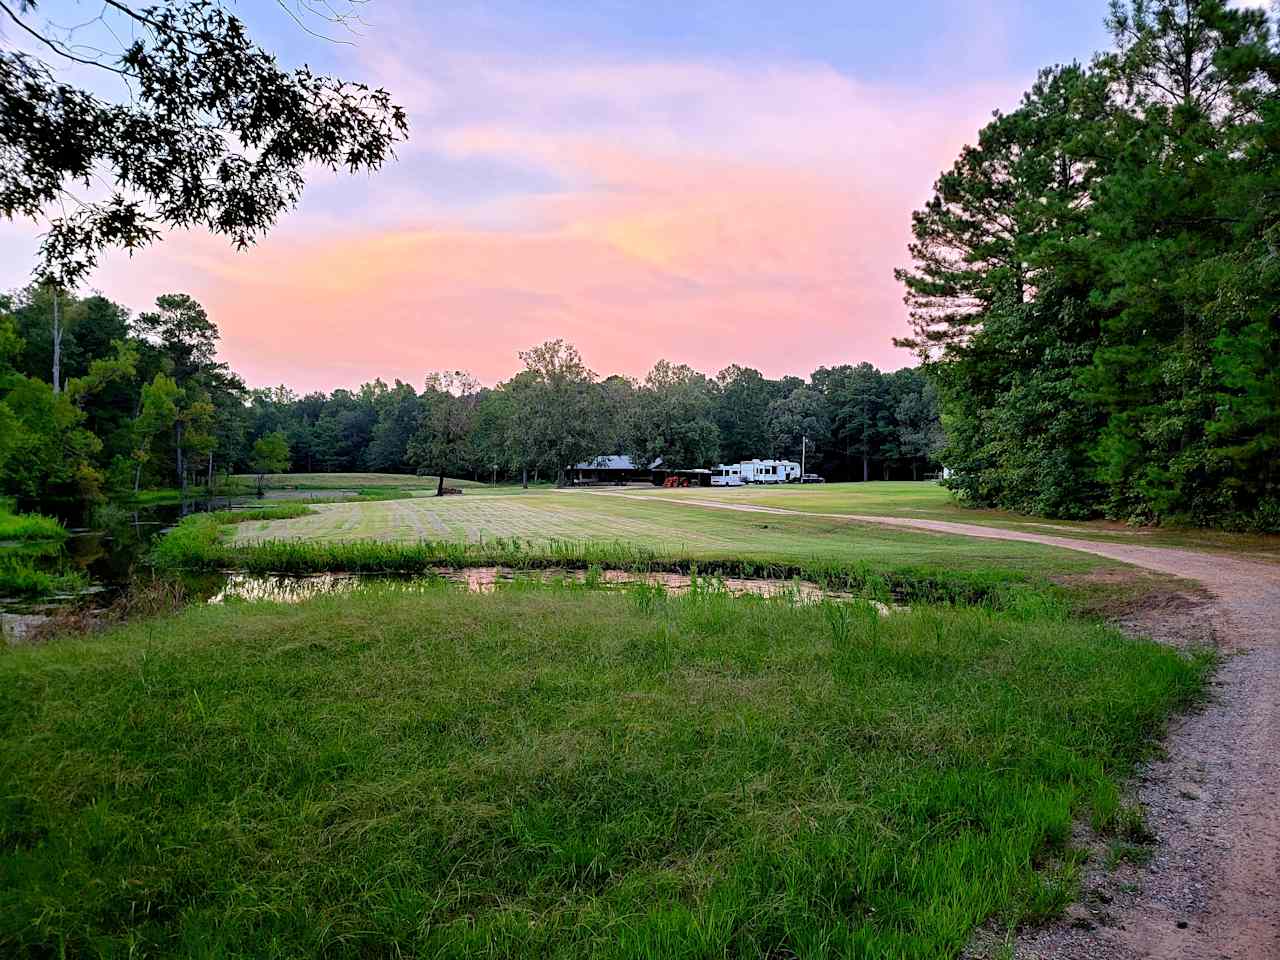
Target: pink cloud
[(708, 215)]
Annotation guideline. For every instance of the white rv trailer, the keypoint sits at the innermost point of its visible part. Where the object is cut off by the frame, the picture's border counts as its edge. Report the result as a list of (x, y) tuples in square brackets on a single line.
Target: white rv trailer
[(769, 471), (727, 475)]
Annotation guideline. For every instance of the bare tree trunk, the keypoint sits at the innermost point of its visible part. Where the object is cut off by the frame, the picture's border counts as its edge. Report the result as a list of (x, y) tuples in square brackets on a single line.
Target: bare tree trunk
[(866, 468), (209, 482), (440, 485), (57, 343), (524, 477), (915, 469), (137, 476), (177, 447)]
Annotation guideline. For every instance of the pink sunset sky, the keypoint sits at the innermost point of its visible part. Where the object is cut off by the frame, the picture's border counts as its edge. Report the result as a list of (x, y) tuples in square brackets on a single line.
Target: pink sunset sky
[(706, 188)]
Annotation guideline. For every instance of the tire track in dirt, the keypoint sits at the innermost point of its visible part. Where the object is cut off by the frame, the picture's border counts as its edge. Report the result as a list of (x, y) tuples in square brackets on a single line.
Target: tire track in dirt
[(1213, 889)]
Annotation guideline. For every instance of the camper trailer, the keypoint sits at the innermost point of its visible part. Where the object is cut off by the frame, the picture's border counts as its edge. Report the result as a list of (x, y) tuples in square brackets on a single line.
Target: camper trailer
[(727, 475), (769, 471)]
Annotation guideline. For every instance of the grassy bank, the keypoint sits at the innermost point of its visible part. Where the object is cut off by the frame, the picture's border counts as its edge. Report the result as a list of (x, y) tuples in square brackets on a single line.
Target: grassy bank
[(31, 556), (199, 544), (561, 772), (29, 526), (28, 576)]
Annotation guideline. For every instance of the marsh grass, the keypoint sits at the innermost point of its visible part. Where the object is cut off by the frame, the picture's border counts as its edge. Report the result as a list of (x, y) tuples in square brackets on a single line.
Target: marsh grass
[(30, 526), (281, 511), (22, 574), (560, 771), (198, 543)]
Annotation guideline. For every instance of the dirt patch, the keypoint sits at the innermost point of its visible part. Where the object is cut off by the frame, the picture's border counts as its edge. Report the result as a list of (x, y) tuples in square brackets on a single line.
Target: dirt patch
[(1177, 612)]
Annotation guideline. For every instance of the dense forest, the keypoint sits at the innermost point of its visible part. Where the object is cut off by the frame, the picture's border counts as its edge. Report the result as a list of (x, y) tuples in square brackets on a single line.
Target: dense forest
[(95, 402), (1095, 284)]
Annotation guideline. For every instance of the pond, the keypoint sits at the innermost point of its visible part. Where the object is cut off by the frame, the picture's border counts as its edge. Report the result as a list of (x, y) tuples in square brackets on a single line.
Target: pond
[(293, 589), (112, 552)]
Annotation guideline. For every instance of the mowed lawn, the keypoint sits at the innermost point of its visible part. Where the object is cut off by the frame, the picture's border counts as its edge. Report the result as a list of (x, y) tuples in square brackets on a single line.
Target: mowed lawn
[(888, 498), (562, 773), (656, 523), (931, 501)]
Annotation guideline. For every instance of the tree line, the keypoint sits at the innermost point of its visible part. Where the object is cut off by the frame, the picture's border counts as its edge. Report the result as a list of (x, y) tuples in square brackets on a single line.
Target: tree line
[(95, 402), (1094, 284), (853, 422)]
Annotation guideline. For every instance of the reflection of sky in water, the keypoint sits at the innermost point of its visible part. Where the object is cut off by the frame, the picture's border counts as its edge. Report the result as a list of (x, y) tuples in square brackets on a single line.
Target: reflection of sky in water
[(286, 589)]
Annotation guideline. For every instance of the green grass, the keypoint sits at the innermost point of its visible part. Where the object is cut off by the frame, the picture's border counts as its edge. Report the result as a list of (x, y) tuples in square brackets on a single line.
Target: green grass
[(31, 561), (158, 496), (30, 526), (278, 511), (199, 544), (21, 575), (660, 527), (931, 501), (559, 772)]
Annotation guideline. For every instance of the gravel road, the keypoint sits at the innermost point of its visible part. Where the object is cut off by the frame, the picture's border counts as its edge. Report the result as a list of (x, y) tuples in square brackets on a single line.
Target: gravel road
[(1212, 888)]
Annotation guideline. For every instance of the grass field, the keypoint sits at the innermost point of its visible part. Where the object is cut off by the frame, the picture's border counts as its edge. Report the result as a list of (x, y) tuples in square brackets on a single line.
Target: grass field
[(657, 525), (556, 772), (933, 502)]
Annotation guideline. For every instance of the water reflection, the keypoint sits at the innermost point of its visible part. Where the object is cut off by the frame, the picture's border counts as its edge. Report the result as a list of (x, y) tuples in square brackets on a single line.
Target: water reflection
[(294, 589)]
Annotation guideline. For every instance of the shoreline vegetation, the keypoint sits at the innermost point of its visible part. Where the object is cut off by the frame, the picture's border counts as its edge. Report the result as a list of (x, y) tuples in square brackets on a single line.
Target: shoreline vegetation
[(198, 544), (30, 548)]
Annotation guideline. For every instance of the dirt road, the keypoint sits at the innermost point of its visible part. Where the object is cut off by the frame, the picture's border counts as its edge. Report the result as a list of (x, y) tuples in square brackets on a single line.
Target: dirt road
[(1212, 890)]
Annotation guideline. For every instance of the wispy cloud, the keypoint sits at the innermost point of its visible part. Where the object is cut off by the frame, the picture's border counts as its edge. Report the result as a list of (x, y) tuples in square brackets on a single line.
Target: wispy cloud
[(705, 210)]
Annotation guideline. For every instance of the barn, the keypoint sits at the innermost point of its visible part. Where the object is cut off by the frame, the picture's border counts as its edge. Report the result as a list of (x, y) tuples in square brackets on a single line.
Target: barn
[(608, 469)]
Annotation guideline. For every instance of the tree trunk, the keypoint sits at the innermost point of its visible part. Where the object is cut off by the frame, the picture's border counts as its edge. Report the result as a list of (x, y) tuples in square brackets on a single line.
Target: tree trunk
[(137, 476), (524, 477), (915, 469), (440, 485), (866, 468), (57, 344), (209, 482), (177, 448)]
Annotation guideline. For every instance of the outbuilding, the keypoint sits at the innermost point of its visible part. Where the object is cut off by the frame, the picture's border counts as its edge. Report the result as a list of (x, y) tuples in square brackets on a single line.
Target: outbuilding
[(613, 469)]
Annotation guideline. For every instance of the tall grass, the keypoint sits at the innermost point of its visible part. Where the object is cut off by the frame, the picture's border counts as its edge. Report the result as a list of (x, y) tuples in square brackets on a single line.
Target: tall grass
[(30, 526), (22, 576), (559, 773), (281, 511), (198, 544)]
